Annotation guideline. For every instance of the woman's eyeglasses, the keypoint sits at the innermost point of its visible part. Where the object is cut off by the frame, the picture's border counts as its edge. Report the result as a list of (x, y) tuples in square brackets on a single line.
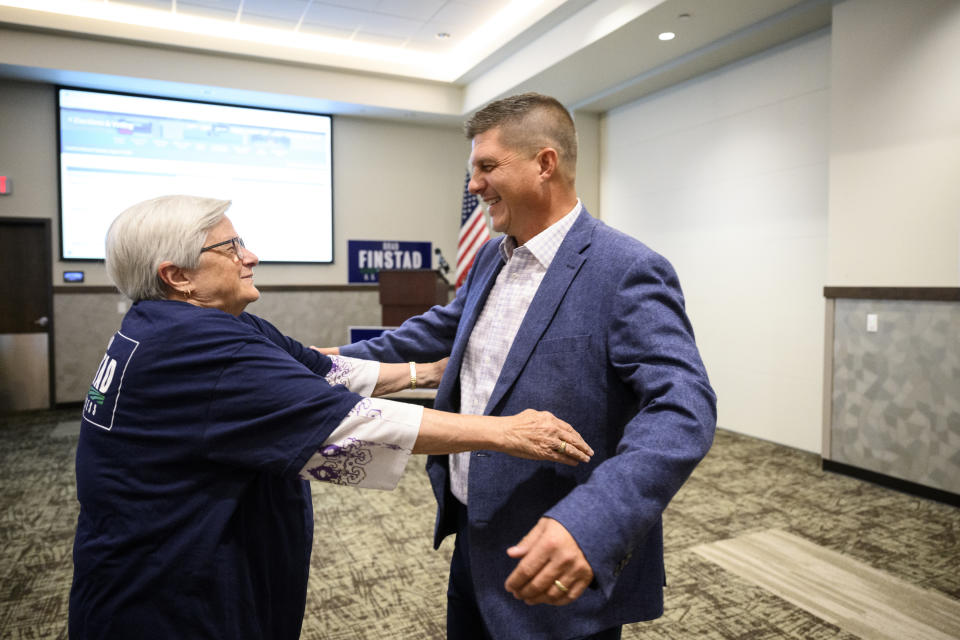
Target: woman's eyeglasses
[(237, 243)]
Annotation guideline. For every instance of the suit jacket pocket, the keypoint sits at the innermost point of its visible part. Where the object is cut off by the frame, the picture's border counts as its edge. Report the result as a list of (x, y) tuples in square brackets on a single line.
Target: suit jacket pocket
[(562, 345)]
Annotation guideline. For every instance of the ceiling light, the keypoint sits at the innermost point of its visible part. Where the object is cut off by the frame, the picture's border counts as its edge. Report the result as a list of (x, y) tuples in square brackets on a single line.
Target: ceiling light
[(667, 35)]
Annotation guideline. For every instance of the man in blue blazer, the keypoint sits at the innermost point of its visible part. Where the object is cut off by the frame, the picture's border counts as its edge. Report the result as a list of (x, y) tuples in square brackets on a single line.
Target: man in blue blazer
[(563, 314)]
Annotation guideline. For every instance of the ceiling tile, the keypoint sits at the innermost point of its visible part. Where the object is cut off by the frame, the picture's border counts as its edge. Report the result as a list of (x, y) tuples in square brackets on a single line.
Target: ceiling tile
[(359, 5), (164, 5), (288, 10), (470, 15), (205, 11), (220, 5), (422, 10), (328, 15), (393, 26)]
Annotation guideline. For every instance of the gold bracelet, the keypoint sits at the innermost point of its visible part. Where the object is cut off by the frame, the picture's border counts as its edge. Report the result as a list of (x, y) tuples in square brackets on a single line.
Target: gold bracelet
[(413, 375)]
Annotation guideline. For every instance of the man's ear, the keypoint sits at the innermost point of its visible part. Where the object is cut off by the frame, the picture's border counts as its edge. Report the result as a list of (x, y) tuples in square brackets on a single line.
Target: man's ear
[(548, 160), (175, 278)]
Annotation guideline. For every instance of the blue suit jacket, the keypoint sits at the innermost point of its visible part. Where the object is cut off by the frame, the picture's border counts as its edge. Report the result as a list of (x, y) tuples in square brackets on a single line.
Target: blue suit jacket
[(606, 346)]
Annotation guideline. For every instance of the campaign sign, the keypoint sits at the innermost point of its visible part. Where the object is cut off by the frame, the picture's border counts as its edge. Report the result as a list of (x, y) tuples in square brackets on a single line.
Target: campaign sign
[(368, 257)]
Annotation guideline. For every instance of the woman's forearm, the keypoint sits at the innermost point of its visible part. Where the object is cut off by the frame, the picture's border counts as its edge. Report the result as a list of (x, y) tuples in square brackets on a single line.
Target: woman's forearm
[(537, 435), (396, 376)]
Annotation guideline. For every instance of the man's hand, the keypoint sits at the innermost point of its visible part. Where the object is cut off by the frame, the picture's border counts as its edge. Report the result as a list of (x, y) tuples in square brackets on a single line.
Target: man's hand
[(548, 553)]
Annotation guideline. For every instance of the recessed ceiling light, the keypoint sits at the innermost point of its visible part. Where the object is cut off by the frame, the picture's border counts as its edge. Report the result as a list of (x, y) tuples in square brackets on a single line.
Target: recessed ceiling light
[(667, 35)]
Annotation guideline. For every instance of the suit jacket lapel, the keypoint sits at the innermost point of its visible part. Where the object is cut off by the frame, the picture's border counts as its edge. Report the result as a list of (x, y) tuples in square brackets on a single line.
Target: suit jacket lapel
[(565, 266)]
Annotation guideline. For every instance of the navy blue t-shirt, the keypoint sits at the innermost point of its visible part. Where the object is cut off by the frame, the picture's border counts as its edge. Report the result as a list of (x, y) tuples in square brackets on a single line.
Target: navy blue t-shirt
[(193, 520)]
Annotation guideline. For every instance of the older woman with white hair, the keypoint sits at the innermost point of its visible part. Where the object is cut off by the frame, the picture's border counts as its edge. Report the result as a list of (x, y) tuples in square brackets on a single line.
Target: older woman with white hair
[(203, 424)]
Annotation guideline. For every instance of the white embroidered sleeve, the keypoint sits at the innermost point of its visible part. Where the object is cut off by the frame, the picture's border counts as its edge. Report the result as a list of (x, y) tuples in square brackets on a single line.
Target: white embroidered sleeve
[(370, 448), (359, 376)]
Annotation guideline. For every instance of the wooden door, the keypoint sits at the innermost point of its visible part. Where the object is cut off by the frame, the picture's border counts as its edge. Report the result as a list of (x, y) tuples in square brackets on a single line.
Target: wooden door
[(26, 320)]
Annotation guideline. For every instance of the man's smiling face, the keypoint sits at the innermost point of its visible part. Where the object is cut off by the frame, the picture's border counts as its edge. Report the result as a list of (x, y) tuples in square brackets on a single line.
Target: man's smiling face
[(507, 180)]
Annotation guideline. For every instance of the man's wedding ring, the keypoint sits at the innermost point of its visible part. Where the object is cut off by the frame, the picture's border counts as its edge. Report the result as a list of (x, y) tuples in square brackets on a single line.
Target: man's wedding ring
[(559, 584), (562, 449)]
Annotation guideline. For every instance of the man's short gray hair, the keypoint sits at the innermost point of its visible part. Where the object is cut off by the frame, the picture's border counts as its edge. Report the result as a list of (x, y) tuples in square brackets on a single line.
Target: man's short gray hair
[(530, 122), (170, 228)]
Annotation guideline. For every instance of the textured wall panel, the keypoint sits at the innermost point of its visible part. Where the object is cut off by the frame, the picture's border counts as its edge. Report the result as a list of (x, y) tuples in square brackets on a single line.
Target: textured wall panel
[(896, 392)]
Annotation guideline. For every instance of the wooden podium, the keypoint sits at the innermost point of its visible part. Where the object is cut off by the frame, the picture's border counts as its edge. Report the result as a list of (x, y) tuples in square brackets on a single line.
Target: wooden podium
[(405, 293)]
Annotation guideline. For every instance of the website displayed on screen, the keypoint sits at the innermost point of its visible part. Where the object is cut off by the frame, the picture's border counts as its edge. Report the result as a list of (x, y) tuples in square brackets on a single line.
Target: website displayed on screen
[(117, 150)]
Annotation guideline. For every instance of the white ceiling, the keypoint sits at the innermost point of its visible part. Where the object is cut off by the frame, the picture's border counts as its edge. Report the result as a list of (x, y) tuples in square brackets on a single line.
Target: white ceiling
[(592, 54), (425, 39)]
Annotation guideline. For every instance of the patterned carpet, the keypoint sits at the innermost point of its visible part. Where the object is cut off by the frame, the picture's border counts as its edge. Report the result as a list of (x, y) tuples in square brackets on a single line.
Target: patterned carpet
[(374, 575)]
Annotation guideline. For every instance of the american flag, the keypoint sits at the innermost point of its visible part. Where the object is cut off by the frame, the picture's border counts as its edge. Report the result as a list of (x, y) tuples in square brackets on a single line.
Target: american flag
[(473, 232)]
